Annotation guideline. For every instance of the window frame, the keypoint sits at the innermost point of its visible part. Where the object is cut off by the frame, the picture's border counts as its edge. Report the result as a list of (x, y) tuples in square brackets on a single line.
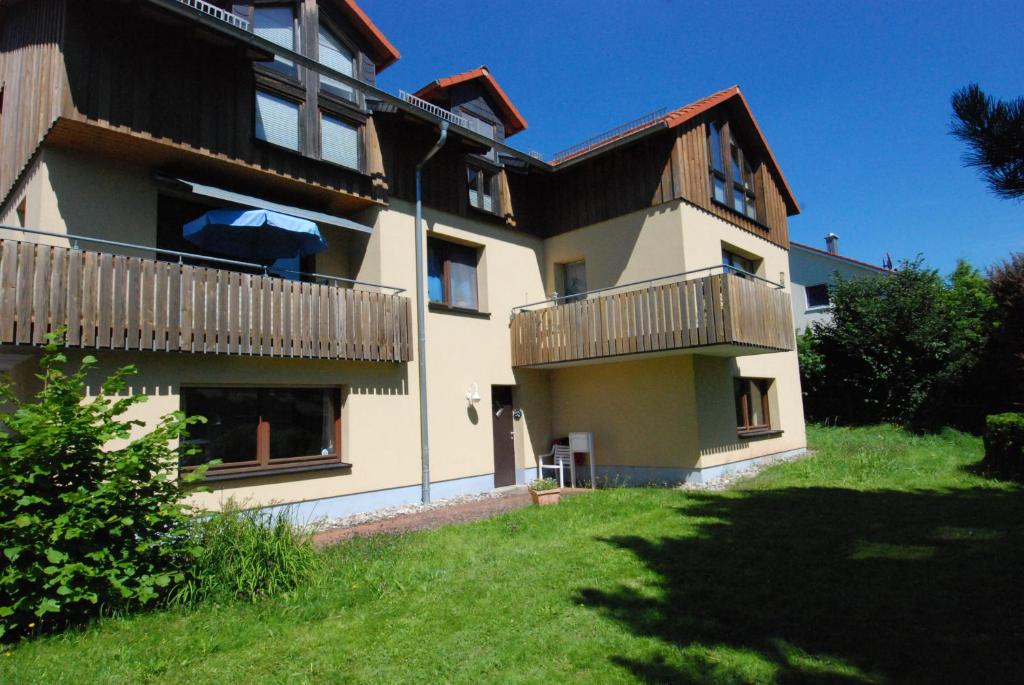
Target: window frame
[(262, 463), (483, 171), (817, 307), (730, 268), (741, 394), (747, 188), (325, 21), (268, 67), (446, 282)]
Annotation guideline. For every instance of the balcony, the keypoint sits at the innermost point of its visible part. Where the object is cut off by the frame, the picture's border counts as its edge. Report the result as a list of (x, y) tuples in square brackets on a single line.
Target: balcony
[(117, 302), (727, 314)]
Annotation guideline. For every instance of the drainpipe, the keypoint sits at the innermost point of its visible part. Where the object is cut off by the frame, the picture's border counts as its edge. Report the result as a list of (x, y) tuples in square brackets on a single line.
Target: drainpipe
[(421, 315)]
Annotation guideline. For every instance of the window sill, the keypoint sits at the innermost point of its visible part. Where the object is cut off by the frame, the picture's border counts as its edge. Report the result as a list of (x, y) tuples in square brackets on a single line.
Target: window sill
[(442, 308), (758, 433), (819, 308), (214, 476)]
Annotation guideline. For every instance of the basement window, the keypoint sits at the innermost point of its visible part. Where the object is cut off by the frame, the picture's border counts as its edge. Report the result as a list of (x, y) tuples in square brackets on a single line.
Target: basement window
[(263, 429)]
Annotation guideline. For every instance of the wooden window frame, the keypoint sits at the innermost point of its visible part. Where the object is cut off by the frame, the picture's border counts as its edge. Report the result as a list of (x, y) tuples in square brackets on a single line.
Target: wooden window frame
[(446, 278), (304, 89), (262, 463), (297, 31), (742, 397), (752, 197), (754, 262), (483, 171)]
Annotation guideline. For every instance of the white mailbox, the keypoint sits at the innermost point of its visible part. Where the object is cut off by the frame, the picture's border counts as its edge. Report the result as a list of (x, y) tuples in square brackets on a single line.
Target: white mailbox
[(584, 442)]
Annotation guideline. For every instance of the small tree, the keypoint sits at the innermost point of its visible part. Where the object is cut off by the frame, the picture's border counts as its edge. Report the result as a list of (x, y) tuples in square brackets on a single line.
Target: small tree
[(1006, 358), (994, 133), (86, 529), (903, 348)]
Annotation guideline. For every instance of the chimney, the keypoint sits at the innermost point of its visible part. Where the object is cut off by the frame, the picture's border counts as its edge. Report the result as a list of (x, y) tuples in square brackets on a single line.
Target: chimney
[(832, 243)]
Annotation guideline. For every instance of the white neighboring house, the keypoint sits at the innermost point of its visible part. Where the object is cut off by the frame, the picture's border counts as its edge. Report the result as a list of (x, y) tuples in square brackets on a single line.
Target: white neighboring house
[(811, 271)]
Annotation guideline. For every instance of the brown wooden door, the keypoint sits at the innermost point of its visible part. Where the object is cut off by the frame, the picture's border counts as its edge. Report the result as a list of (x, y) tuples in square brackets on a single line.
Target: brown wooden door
[(504, 443)]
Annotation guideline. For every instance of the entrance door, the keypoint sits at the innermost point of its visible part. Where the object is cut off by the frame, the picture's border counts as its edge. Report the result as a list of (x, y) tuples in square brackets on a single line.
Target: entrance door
[(504, 443)]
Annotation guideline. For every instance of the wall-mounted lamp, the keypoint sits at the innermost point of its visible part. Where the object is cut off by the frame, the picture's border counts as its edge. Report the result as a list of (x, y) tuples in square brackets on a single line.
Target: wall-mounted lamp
[(473, 394)]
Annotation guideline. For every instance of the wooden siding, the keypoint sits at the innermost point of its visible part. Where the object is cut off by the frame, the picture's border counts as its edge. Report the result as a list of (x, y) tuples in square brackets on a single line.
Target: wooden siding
[(650, 171), (107, 301), (180, 91), (33, 81), (713, 310)]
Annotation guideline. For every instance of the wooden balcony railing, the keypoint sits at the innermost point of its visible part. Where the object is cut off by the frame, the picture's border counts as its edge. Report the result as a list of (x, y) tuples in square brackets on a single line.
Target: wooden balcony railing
[(107, 301), (720, 309)]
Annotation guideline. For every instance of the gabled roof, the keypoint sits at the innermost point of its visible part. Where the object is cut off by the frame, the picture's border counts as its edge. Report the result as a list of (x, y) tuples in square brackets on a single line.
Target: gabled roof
[(841, 258), (686, 113), (510, 116), (384, 53)]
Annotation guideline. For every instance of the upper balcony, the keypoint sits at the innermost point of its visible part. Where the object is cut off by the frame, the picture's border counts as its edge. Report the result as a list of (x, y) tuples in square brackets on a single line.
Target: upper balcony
[(113, 301), (715, 310)]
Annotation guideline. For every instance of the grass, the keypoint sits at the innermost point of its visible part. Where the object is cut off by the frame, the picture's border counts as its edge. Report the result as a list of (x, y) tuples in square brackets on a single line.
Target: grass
[(886, 558)]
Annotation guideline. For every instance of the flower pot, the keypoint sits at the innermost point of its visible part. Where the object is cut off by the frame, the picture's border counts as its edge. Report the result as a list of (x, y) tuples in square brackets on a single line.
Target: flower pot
[(542, 498)]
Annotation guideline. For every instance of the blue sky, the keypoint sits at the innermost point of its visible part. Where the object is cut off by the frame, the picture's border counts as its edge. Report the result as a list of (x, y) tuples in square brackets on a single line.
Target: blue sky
[(854, 97)]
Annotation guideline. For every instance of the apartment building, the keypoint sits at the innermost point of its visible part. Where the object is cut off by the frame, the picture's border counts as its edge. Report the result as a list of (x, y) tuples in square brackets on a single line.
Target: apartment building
[(634, 286)]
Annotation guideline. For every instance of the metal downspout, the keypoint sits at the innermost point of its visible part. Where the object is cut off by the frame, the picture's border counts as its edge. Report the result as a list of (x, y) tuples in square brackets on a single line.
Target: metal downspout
[(421, 315)]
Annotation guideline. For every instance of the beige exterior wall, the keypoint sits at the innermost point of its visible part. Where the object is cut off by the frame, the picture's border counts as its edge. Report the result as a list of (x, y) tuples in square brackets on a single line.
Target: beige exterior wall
[(671, 411)]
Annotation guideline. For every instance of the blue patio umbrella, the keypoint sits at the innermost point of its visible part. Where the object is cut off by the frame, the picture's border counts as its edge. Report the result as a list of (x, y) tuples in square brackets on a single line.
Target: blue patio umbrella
[(254, 235)]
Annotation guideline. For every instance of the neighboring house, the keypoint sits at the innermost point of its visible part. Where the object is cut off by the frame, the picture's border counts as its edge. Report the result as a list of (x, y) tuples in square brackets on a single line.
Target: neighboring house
[(672, 341), (812, 271)]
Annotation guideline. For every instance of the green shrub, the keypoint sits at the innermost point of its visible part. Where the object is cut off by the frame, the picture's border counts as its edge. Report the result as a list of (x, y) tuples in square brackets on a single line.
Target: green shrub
[(247, 555), (542, 484), (1004, 444), (85, 530)]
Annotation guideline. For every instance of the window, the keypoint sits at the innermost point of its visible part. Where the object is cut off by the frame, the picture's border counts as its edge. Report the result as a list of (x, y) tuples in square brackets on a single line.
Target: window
[(276, 23), (732, 171), (254, 429), (752, 405), (817, 295), (277, 120), (574, 280), (451, 274), (481, 188), (738, 264), (334, 54), (339, 142)]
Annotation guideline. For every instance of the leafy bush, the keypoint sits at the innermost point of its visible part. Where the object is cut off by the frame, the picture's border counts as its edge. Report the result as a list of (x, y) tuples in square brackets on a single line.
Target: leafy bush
[(85, 529), (247, 555), (904, 348), (542, 484), (1006, 358), (1004, 444)]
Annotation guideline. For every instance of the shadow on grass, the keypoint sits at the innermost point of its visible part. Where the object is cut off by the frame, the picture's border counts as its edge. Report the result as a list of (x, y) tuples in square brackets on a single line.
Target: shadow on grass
[(832, 585)]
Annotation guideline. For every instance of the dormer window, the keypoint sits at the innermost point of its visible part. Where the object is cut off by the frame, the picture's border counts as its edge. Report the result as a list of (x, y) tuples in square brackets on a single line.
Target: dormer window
[(334, 53), (481, 183), (731, 171)]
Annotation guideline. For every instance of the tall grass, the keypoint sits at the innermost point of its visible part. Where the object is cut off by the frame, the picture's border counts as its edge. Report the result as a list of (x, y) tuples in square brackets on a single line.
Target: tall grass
[(246, 555)]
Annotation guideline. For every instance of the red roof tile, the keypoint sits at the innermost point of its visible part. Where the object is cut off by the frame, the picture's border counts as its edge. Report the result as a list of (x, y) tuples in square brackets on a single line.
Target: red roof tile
[(513, 120), (826, 253), (385, 54)]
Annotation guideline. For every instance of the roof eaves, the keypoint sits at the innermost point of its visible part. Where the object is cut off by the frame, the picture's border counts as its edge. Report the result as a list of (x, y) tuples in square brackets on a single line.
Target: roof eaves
[(841, 258)]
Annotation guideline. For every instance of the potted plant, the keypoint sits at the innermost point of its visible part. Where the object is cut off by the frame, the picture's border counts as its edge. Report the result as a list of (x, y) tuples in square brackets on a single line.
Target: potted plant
[(545, 491)]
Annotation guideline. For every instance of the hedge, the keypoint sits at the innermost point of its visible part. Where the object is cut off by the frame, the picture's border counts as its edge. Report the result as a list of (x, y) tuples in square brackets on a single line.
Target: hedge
[(1004, 443)]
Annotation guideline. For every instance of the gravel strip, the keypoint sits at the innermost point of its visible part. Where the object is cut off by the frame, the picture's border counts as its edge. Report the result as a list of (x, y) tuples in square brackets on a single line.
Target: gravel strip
[(730, 479), (326, 523)]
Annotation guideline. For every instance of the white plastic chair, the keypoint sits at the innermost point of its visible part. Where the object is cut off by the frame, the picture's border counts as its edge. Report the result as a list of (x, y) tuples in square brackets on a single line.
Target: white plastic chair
[(561, 457)]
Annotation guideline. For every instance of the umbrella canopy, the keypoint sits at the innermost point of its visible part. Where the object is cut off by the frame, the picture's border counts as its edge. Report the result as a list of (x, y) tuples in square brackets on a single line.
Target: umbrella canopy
[(254, 235)]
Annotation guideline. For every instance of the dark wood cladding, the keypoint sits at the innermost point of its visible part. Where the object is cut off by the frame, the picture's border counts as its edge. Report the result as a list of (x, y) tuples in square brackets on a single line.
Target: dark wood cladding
[(33, 81), (107, 301), (714, 310), (657, 168), (133, 73)]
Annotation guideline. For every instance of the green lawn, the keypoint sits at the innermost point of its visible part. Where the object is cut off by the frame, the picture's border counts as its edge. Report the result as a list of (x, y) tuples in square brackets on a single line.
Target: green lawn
[(884, 558)]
